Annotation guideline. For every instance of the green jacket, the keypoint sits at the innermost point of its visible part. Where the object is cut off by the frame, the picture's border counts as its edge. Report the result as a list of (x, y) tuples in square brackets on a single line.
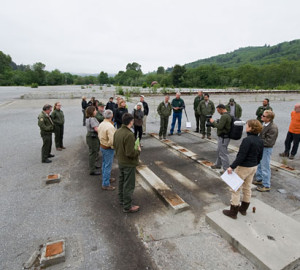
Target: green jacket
[(164, 111), (99, 117), (58, 117), (45, 123), (203, 110), (260, 111), (178, 103), (196, 102), (238, 110), (124, 145), (224, 124)]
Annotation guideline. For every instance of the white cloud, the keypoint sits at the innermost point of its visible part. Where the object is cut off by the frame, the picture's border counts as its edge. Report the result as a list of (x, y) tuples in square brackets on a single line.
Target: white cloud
[(90, 36)]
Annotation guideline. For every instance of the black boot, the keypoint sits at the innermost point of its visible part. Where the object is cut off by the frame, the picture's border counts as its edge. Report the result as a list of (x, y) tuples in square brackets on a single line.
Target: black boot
[(243, 208), (232, 212)]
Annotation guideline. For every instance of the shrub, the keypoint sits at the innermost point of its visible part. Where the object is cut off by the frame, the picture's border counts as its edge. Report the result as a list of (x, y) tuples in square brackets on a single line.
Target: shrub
[(127, 95), (144, 85), (82, 87), (136, 91), (120, 90), (100, 87), (34, 85)]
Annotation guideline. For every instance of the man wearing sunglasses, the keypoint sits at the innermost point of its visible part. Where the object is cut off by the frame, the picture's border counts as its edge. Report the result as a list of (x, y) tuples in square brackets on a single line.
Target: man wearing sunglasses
[(269, 136)]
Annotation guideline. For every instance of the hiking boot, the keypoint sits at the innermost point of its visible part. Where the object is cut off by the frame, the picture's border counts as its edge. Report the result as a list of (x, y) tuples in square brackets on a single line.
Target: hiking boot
[(291, 157), (58, 149), (164, 138), (170, 134), (263, 189), (283, 154), (108, 188), (197, 130), (160, 137), (232, 212), (132, 209), (243, 208), (209, 137), (203, 136), (258, 183), (50, 156), (179, 133), (215, 167), (46, 161)]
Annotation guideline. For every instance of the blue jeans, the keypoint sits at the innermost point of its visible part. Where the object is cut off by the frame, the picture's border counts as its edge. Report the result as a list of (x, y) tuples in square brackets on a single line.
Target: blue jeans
[(176, 115), (263, 172), (107, 161)]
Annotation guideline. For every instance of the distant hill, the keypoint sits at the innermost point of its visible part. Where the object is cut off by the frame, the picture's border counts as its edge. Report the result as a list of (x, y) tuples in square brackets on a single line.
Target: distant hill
[(256, 56)]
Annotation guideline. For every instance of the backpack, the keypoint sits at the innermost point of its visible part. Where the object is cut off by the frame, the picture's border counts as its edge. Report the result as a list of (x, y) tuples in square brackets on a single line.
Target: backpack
[(235, 132)]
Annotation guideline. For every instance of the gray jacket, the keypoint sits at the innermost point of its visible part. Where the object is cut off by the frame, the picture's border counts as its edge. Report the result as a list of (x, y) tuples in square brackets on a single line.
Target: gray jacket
[(269, 135)]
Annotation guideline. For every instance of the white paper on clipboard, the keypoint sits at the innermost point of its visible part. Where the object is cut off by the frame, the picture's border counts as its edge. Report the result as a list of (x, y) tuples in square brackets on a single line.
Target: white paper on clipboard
[(232, 180)]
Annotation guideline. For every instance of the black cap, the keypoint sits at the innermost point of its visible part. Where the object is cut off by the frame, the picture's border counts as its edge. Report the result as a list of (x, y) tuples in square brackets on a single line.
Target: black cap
[(231, 100), (221, 106)]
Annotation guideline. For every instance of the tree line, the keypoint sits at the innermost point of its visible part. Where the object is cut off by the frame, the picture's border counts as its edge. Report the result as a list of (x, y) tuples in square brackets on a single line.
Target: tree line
[(282, 75)]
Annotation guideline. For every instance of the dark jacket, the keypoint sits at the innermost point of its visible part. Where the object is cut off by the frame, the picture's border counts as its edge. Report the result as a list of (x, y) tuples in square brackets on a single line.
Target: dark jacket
[(164, 111), (45, 123), (196, 102), (138, 116), (118, 115), (224, 124), (203, 110), (110, 106), (250, 152), (58, 117), (124, 146), (260, 111), (84, 104), (146, 108), (178, 103), (269, 135), (99, 116), (237, 111)]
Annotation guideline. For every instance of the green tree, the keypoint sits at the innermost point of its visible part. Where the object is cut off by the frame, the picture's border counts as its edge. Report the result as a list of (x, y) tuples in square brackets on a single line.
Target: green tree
[(103, 78), (177, 75), (160, 70), (39, 75)]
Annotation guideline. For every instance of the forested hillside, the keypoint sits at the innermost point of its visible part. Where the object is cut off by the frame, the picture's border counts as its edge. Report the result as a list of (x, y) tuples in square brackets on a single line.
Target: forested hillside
[(256, 56)]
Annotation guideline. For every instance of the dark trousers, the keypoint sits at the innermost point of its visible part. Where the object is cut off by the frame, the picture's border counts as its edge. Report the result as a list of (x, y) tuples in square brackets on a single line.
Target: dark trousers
[(164, 120), (291, 138), (126, 185), (197, 117), (203, 126), (94, 146), (83, 111), (138, 130), (47, 144), (178, 116), (59, 134)]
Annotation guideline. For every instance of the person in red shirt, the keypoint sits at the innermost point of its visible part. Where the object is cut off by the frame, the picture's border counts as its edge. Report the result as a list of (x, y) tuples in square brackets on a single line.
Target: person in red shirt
[(293, 135)]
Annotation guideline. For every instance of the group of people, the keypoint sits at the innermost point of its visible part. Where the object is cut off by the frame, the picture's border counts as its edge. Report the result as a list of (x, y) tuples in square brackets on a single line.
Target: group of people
[(51, 123), (114, 131)]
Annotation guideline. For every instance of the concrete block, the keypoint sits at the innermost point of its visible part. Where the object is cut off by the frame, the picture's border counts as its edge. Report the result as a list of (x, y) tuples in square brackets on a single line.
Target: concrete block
[(53, 253), (53, 178), (171, 198), (268, 238)]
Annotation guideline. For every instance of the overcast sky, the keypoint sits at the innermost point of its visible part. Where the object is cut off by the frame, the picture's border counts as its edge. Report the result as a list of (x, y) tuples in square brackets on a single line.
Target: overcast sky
[(94, 35)]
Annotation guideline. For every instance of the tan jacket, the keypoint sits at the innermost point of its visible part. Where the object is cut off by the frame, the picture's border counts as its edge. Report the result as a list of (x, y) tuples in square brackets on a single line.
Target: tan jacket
[(106, 133)]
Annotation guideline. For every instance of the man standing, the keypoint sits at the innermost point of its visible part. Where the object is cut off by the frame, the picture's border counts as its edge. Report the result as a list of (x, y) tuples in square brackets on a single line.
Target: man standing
[(110, 105), (269, 135), (146, 112), (293, 134), (128, 159), (197, 100), (164, 110), (234, 109), (177, 105), (205, 108), (261, 109), (99, 116), (47, 127), (58, 119), (106, 133), (223, 128)]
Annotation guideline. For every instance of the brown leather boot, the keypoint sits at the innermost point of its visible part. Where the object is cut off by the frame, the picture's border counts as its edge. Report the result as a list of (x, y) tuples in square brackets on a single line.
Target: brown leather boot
[(243, 208), (232, 212)]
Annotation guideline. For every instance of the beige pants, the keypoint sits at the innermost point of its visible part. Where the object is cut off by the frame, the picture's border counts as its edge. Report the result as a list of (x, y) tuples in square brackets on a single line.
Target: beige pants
[(144, 123), (246, 173)]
